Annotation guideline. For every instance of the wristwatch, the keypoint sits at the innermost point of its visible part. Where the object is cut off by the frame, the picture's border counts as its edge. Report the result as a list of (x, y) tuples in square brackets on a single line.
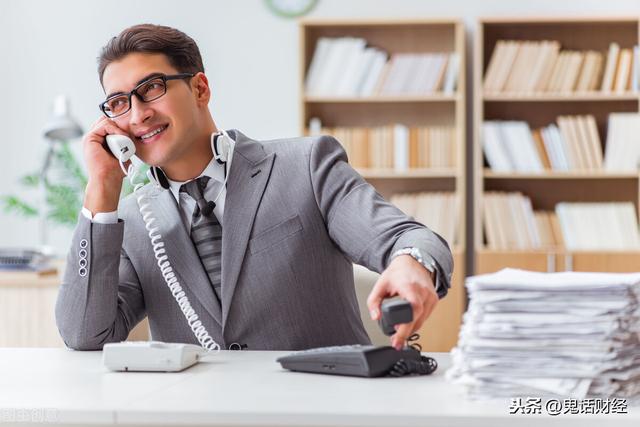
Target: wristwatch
[(425, 260)]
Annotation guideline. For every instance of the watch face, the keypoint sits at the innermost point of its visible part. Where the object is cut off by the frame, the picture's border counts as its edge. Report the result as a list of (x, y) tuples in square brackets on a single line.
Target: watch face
[(291, 8)]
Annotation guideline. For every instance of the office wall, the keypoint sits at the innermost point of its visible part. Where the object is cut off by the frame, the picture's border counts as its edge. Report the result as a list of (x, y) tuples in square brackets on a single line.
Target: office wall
[(251, 57)]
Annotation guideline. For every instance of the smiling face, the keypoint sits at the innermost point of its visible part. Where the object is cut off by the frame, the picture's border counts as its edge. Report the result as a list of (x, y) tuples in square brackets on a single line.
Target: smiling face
[(172, 131)]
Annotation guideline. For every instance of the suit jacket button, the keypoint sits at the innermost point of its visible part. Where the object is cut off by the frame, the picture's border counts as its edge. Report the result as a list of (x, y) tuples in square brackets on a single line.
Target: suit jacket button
[(83, 262), (82, 253), (84, 243), (82, 271)]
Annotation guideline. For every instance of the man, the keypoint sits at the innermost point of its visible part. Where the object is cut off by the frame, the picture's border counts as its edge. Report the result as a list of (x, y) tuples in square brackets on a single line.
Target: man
[(274, 268)]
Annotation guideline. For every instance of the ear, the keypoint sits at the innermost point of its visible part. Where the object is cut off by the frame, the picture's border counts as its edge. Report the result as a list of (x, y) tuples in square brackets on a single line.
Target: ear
[(200, 86)]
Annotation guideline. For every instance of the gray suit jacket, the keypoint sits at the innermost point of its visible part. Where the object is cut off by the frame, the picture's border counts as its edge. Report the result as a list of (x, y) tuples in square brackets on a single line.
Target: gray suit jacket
[(296, 217)]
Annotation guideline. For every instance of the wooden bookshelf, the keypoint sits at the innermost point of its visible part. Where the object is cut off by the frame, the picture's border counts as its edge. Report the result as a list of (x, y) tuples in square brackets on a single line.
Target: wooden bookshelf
[(539, 109), (436, 109)]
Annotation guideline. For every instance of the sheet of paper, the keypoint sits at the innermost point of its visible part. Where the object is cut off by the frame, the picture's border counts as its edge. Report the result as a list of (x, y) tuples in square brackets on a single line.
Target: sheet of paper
[(558, 334)]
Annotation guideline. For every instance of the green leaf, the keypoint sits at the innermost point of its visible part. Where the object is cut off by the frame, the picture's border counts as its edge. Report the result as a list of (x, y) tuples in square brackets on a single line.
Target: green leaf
[(14, 205), (32, 180), (64, 203), (64, 158)]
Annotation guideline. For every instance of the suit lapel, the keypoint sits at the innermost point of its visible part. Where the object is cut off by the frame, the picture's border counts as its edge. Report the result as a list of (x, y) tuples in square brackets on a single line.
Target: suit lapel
[(181, 253), (248, 177)]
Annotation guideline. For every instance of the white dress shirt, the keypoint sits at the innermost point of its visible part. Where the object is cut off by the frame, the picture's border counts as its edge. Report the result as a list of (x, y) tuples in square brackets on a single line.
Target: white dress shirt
[(187, 204)]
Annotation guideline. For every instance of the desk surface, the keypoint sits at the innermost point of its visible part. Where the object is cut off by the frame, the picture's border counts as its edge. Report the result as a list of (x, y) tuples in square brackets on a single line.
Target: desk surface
[(243, 388)]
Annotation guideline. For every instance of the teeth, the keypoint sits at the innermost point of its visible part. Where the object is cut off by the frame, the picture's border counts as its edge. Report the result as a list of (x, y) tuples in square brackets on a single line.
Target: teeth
[(152, 133)]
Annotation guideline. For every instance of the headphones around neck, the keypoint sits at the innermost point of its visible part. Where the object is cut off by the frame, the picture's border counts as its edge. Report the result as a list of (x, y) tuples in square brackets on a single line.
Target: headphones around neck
[(221, 145)]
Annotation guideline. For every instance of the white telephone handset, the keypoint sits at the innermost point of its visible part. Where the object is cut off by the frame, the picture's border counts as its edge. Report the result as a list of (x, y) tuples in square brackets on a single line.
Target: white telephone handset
[(123, 148)]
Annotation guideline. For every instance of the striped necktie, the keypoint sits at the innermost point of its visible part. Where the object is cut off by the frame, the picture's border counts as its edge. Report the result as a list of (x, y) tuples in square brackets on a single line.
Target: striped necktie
[(206, 233)]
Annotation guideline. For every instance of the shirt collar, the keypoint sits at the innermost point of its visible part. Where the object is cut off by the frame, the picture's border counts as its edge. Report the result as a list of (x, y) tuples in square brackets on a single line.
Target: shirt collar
[(214, 170)]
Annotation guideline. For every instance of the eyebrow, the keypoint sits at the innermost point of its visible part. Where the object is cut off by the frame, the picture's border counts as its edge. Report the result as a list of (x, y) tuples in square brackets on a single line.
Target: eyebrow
[(147, 77)]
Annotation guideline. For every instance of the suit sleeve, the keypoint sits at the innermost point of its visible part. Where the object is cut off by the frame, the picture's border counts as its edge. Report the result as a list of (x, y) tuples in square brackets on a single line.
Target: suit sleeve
[(100, 299), (365, 227)]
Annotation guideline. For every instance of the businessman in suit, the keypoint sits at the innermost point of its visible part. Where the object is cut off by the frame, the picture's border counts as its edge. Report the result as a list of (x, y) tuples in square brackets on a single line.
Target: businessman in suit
[(291, 216)]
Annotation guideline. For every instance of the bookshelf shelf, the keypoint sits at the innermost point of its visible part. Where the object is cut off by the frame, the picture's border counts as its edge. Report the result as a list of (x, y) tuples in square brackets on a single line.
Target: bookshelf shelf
[(557, 259), (562, 97), (545, 190), (488, 174), (435, 109), (415, 173), (383, 99)]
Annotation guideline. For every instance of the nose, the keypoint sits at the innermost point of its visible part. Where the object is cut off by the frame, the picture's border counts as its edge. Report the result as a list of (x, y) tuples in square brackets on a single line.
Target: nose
[(140, 112)]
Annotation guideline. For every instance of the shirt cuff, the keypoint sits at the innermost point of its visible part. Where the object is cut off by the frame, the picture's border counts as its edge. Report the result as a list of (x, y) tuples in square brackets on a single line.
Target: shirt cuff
[(101, 217)]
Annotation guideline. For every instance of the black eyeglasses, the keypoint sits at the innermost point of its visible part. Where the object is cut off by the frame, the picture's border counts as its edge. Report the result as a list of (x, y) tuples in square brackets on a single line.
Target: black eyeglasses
[(149, 90)]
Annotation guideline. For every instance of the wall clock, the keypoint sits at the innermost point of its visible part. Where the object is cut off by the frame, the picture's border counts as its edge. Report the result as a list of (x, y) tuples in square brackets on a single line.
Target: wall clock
[(291, 8)]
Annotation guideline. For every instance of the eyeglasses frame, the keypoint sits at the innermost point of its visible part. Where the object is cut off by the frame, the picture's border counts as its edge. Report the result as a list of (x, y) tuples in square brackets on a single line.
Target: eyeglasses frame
[(134, 91)]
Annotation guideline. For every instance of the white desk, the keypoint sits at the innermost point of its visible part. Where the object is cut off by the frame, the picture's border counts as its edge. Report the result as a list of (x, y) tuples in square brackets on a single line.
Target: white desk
[(243, 389)]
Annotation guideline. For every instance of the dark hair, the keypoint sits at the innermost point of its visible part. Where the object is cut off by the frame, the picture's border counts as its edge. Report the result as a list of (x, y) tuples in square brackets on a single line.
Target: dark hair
[(180, 49)]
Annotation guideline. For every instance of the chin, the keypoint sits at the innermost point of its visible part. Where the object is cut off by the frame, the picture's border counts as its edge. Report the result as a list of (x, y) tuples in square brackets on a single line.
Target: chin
[(152, 160)]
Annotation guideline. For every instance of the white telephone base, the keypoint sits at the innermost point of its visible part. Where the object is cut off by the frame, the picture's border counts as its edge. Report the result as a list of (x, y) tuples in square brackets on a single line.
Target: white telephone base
[(150, 356)]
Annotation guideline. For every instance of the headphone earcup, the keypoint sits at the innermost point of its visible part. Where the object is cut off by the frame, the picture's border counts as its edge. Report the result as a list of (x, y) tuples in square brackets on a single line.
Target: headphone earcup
[(221, 148)]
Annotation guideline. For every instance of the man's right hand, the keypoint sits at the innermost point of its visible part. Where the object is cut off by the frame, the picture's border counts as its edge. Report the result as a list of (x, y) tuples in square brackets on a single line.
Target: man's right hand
[(105, 176)]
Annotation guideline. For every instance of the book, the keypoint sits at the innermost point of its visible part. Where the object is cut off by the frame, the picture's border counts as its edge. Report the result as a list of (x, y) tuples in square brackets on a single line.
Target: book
[(504, 65), (509, 146), (635, 77), (437, 210), (401, 147), (494, 67), (555, 147), (495, 153), (371, 78), (595, 145), (396, 147), (543, 65), (610, 67), (622, 152), (598, 225), (553, 85), (623, 71), (551, 54), (540, 149), (451, 77), (317, 64), (575, 61), (572, 146), (509, 222), (521, 67)]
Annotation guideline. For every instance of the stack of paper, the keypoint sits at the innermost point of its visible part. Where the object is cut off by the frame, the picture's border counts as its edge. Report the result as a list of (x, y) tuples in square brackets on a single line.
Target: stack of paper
[(550, 335)]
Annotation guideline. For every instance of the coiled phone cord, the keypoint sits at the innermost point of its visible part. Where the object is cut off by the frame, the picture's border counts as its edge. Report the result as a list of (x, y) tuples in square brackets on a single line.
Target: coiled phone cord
[(164, 264), (425, 366)]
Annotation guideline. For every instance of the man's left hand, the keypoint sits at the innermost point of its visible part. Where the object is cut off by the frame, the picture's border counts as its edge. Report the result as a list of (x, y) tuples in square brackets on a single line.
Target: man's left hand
[(407, 278)]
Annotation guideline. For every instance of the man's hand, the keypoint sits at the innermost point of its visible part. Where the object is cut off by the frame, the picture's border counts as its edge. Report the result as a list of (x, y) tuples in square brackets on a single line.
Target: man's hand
[(105, 176), (407, 278)]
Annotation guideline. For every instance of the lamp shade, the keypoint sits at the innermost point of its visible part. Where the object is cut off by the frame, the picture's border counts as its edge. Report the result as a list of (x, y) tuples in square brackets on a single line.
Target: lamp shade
[(61, 125)]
